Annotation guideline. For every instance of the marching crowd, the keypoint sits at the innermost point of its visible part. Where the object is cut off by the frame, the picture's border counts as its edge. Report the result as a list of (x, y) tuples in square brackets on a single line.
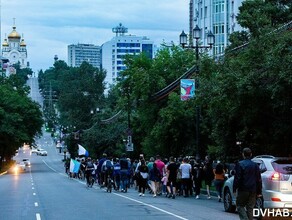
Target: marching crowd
[(171, 177)]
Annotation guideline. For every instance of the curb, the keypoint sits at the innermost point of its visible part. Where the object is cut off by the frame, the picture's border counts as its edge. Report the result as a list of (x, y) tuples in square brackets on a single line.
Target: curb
[(3, 173)]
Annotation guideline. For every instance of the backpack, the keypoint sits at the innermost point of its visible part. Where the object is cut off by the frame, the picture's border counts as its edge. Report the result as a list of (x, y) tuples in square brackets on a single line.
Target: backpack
[(90, 165), (108, 165), (124, 164)]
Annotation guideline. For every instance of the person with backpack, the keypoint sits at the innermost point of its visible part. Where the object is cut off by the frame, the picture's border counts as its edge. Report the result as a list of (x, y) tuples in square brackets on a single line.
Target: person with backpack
[(89, 168), (100, 174), (107, 169), (117, 173)]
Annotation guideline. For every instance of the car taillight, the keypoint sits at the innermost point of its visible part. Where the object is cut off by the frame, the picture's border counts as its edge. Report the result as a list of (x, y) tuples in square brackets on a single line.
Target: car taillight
[(276, 199), (275, 176), (279, 177)]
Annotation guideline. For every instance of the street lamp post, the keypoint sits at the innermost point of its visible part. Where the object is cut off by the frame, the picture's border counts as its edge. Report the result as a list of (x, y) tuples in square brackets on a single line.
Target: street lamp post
[(183, 42)]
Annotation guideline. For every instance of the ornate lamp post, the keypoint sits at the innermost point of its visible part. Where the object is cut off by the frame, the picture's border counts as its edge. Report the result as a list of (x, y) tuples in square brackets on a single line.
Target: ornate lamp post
[(183, 42)]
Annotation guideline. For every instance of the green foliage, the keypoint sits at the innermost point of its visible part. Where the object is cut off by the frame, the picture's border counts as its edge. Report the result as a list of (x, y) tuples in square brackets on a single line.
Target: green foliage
[(263, 16), (166, 126), (21, 118)]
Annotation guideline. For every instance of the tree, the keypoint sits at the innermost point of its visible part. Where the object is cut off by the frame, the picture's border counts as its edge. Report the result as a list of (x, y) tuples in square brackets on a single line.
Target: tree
[(158, 126), (21, 120), (263, 16)]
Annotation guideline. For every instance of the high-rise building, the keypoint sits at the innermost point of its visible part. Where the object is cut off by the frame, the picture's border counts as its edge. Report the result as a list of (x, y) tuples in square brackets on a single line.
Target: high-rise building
[(14, 49), (77, 53), (114, 51), (218, 16)]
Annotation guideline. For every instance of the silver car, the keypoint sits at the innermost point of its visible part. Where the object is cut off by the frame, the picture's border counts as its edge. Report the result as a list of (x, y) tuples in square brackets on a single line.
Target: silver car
[(276, 175)]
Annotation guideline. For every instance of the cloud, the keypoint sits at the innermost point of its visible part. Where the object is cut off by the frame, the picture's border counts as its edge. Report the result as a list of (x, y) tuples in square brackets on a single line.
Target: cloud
[(50, 26)]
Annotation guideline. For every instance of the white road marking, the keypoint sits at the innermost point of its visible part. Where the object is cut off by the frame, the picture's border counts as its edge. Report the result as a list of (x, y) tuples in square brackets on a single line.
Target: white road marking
[(134, 200), (34, 194), (38, 216), (36, 204), (152, 206), (32, 187)]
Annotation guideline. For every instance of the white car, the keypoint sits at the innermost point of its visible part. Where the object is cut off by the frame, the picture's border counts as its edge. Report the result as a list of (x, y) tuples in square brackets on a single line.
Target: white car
[(17, 168), (26, 162), (42, 152), (276, 173)]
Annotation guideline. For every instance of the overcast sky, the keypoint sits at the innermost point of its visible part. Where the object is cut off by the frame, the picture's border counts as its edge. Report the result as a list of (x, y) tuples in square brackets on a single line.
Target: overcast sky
[(49, 26)]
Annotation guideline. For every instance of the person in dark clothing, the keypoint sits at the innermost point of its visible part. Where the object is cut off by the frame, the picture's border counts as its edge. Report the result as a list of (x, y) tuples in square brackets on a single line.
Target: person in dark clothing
[(208, 175), (143, 176), (171, 170), (155, 178), (99, 171), (125, 166), (248, 185), (88, 171), (197, 173)]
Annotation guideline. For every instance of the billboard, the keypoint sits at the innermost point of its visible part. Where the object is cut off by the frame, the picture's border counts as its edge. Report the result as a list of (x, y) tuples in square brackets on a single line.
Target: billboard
[(187, 89)]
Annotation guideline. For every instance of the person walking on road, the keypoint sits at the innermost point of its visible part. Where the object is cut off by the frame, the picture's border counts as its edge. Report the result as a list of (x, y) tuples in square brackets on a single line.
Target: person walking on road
[(247, 184), (125, 166), (143, 172), (155, 178), (186, 169), (172, 170), (208, 175), (219, 173)]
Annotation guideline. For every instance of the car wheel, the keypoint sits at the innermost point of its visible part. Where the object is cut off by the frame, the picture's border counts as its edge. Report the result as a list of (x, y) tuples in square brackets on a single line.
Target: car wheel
[(259, 203), (228, 206)]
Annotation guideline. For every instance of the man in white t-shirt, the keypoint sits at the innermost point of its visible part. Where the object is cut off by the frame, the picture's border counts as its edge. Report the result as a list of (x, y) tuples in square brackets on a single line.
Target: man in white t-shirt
[(185, 169)]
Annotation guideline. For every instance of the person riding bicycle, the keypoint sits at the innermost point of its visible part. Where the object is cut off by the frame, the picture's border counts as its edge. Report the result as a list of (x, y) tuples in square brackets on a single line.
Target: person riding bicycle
[(89, 168), (107, 168)]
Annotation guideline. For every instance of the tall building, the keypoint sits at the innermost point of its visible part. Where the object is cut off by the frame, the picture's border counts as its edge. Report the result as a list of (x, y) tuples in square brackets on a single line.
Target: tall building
[(77, 53), (218, 16), (114, 51), (14, 49)]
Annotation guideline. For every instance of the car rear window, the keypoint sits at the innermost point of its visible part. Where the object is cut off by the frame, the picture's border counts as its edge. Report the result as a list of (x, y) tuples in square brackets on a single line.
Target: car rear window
[(283, 166)]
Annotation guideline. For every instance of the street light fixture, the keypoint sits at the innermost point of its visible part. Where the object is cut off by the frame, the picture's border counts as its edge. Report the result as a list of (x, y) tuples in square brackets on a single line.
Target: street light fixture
[(197, 34), (183, 42)]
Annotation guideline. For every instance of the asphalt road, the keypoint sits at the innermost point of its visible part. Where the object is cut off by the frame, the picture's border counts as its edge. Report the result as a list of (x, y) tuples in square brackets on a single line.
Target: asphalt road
[(44, 192)]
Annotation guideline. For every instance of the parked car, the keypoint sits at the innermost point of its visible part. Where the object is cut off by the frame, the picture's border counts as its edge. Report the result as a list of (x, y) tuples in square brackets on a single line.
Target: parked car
[(276, 173)]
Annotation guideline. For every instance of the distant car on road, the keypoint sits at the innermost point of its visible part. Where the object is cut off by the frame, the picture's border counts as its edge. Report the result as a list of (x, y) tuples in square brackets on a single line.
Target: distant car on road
[(276, 173), (42, 152), (39, 151), (17, 168), (26, 162)]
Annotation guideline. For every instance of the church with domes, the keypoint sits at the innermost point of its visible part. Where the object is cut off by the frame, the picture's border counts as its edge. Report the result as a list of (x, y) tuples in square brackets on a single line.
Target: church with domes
[(14, 49)]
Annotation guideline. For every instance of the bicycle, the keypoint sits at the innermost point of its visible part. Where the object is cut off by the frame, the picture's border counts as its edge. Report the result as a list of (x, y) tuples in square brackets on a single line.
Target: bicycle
[(89, 179), (110, 183)]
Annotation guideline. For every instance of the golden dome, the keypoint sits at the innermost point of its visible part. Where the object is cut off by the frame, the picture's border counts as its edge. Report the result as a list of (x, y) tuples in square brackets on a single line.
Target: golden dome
[(22, 43), (14, 34), (5, 43)]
